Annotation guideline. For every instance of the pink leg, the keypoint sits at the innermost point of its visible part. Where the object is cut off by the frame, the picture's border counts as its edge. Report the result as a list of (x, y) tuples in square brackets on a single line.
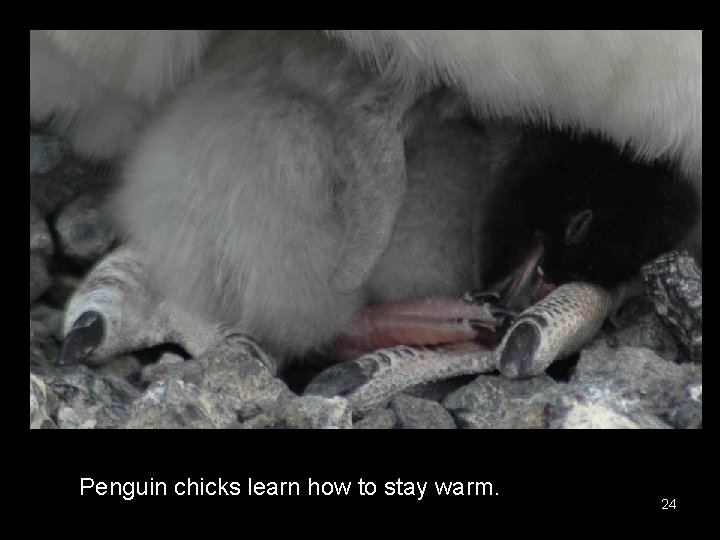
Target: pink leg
[(429, 321), (436, 321)]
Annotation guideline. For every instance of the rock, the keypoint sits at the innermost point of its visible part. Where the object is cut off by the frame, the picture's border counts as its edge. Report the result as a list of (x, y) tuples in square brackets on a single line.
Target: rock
[(43, 346), (231, 383), (303, 412), (43, 405), (622, 387), (162, 368), (590, 408), (62, 288), (642, 382), (41, 249), (438, 390), (377, 419), (125, 367), (314, 412), (41, 243), (417, 413), (39, 277), (46, 153), (57, 176), (87, 400), (263, 420), (84, 229), (675, 287), (50, 317), (498, 402), (171, 404), (639, 326)]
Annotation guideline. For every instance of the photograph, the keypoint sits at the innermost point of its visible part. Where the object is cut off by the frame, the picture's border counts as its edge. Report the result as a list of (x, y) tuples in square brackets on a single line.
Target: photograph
[(364, 229)]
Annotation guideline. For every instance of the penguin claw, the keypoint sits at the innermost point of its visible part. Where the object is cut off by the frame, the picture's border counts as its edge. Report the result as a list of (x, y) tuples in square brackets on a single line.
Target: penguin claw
[(117, 310), (85, 335)]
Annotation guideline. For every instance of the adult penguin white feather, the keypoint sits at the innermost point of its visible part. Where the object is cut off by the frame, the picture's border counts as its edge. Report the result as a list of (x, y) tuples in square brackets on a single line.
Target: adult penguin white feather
[(641, 88), (99, 87)]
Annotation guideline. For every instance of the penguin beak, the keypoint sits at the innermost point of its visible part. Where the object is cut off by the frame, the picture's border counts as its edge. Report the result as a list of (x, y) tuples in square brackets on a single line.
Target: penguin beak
[(526, 281)]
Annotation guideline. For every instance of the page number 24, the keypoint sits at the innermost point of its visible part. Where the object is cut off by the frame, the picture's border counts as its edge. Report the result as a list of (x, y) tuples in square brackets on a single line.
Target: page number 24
[(668, 504)]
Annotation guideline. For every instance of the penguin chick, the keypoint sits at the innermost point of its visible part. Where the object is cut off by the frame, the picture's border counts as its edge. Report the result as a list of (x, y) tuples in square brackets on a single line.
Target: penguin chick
[(453, 164), (431, 254), (265, 192), (601, 214)]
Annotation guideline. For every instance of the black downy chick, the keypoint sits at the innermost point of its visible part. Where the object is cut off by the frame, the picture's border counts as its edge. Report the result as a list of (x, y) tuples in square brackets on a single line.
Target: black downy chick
[(600, 214)]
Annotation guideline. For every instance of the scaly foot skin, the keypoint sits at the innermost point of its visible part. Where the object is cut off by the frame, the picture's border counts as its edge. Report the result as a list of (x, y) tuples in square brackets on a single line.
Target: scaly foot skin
[(553, 329), (116, 311), (375, 378), (550, 330)]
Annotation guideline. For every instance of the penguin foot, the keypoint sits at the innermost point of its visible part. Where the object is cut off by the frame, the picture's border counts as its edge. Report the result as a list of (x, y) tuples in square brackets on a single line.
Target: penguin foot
[(116, 310), (555, 327)]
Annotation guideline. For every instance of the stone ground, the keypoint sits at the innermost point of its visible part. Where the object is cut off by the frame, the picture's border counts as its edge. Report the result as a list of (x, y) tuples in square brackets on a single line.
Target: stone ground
[(633, 375)]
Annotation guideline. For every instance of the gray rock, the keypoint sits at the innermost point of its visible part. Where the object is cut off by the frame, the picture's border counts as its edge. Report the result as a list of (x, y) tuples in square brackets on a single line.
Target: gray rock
[(229, 384), (232, 385), (41, 243), (84, 228), (377, 419), (62, 287), (590, 407), (126, 367), (438, 390), (498, 402), (43, 404), (314, 412), (623, 387), (417, 413), (46, 153), (41, 249), (87, 400), (641, 381), (57, 176), (675, 287), (174, 403), (43, 346), (639, 326), (39, 277), (49, 317), (302, 412), (160, 369)]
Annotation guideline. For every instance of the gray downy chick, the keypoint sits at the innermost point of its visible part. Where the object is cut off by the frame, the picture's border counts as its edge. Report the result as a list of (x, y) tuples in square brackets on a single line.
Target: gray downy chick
[(267, 190)]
